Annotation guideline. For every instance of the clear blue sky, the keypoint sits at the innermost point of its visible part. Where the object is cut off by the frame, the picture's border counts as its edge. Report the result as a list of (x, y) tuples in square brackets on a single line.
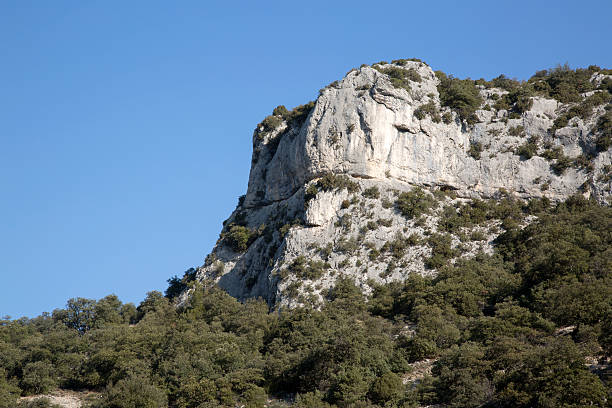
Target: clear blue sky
[(125, 126)]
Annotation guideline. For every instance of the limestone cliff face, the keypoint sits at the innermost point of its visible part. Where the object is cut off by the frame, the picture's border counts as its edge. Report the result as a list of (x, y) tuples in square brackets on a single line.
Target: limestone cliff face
[(367, 129)]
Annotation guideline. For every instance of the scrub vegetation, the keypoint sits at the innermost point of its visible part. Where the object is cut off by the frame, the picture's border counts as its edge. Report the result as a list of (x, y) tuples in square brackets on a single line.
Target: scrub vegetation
[(522, 327)]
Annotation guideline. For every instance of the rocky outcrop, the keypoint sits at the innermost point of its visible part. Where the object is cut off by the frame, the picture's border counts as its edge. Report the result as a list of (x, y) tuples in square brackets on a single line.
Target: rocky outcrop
[(302, 229)]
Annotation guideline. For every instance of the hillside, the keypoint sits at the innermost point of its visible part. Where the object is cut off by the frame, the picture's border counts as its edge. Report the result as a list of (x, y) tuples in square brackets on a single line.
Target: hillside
[(396, 169), (408, 240)]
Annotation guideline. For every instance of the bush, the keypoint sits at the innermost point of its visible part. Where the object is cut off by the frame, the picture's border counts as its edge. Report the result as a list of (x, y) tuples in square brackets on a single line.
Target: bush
[(503, 82), (330, 182), (311, 192), (527, 150), (561, 164), (298, 115), (604, 128), (133, 393), (177, 285), (516, 131), (294, 118), (371, 192), (563, 83), (430, 109), (583, 110), (414, 203), (462, 377), (462, 96), (385, 222), (552, 154), (303, 269), (400, 77), (387, 387), (38, 377), (397, 247), (451, 220), (8, 392), (475, 150), (239, 238), (447, 117), (404, 61), (441, 250), (491, 322), (269, 124), (520, 100)]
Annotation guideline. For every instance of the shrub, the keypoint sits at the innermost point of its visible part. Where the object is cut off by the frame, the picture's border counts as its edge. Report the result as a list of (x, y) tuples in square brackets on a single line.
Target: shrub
[(451, 221), (491, 323), (462, 96), (552, 153), (404, 61), (345, 221), (387, 387), (330, 182), (475, 150), (430, 109), (311, 400), (295, 118), (311, 192), (477, 236), (583, 110), (400, 77), (520, 99), (604, 127), (516, 131), (42, 402), (414, 203), (177, 285), (561, 164), (371, 192), (584, 161), (397, 246), (527, 150), (239, 238), (563, 83), (441, 250), (299, 114), (348, 246), (462, 375), (133, 393), (269, 124), (280, 111), (304, 269), (38, 377), (385, 222), (373, 254), (503, 82)]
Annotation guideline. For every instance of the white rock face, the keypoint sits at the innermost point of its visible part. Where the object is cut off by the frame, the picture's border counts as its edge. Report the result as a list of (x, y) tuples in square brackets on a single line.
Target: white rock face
[(365, 128)]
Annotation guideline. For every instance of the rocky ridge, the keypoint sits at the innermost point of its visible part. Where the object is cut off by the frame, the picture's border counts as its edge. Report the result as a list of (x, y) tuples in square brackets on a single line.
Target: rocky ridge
[(379, 178)]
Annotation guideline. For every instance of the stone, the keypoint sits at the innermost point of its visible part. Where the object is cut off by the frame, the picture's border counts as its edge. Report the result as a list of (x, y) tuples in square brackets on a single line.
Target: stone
[(365, 129)]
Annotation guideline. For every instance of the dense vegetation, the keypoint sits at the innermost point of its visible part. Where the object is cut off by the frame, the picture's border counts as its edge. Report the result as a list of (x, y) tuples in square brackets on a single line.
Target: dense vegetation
[(461, 95), (517, 328)]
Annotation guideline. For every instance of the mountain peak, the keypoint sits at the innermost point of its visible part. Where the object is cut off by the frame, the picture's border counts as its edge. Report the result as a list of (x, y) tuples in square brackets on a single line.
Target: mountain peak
[(367, 181)]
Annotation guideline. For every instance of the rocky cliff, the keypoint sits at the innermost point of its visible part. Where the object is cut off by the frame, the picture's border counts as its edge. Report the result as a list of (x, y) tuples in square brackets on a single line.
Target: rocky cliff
[(396, 169)]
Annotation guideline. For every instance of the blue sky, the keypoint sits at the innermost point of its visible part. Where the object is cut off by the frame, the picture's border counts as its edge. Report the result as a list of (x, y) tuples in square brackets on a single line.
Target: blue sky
[(125, 127)]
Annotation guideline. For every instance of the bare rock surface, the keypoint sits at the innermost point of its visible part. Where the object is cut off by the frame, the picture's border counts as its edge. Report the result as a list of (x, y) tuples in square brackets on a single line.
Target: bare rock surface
[(65, 398)]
